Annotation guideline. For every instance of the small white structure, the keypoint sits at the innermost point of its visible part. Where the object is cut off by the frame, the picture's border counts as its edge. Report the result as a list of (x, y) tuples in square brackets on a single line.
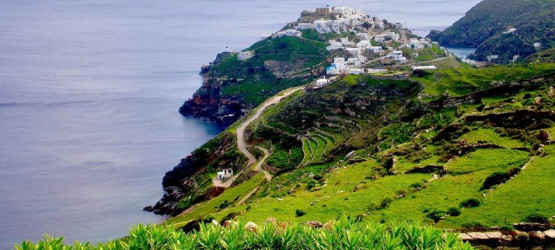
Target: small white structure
[(356, 71), (288, 32), (416, 44), (357, 61), (537, 45), (363, 36), (339, 66), (322, 82), (424, 67), (304, 26), (509, 31), (226, 173), (375, 49), (354, 51), (397, 56), (245, 55), (334, 45)]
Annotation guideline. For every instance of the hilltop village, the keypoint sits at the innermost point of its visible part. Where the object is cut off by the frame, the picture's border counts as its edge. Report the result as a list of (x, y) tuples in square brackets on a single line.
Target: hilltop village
[(360, 43)]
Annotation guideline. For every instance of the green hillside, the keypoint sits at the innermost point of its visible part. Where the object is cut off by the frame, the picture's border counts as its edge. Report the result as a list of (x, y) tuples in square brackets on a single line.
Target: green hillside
[(483, 27), (375, 148)]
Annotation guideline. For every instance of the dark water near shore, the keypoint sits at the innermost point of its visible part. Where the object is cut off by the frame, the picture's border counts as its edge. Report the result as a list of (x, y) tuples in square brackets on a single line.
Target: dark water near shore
[(89, 92)]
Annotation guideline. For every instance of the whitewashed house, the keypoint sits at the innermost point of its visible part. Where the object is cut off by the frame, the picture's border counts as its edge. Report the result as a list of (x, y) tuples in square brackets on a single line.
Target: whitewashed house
[(537, 45), (363, 36), (322, 26), (397, 56), (416, 44), (345, 41), (363, 44), (354, 51), (375, 49), (322, 82), (226, 173), (334, 45), (288, 32), (339, 66), (424, 67), (356, 71), (394, 36), (245, 55), (304, 26), (356, 61)]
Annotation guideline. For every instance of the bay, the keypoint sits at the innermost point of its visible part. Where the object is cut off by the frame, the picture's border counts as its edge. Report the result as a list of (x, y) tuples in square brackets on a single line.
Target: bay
[(89, 92)]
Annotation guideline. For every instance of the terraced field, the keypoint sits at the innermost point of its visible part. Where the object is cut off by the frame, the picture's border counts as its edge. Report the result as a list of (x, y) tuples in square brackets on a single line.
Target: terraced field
[(315, 146)]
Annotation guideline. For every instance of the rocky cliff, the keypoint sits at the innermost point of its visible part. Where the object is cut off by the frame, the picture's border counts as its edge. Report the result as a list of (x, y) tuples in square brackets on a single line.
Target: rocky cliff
[(506, 28)]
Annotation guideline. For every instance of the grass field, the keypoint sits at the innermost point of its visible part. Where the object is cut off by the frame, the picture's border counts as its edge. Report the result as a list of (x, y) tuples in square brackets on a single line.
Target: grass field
[(227, 198)]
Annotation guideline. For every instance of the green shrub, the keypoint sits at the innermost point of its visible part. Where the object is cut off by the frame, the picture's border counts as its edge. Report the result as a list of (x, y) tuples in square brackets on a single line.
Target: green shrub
[(347, 233), (385, 202), (299, 212), (472, 225), (499, 178), (471, 202), (435, 215), (454, 211), (536, 218)]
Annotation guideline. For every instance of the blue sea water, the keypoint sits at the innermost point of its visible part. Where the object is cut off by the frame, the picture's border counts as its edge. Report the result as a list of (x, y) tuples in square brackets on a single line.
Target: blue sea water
[(89, 92)]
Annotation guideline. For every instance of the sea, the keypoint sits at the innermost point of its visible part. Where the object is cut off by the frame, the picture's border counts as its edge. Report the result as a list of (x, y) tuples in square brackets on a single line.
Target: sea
[(89, 93)]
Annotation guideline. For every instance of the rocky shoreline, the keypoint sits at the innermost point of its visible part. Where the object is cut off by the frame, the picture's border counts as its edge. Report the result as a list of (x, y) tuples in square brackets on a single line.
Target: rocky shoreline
[(208, 103)]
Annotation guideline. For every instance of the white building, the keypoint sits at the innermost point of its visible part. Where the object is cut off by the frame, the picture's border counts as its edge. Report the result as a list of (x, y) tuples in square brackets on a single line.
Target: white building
[(375, 49), (397, 56), (304, 26), (363, 36), (357, 61), (226, 173), (354, 51), (334, 45), (363, 44), (245, 55), (356, 71), (416, 44), (345, 12), (339, 66), (288, 32), (509, 31), (537, 45), (322, 82), (424, 67)]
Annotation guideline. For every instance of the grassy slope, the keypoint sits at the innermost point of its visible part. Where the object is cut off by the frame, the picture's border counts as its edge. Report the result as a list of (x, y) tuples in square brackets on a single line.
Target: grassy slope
[(325, 191), (529, 192), (466, 80)]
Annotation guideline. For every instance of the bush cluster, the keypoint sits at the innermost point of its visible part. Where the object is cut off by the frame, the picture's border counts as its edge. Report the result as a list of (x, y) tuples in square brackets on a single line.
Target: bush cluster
[(344, 234)]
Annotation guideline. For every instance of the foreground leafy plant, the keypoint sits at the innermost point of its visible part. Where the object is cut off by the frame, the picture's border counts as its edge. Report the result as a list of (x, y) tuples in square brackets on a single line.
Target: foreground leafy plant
[(342, 234)]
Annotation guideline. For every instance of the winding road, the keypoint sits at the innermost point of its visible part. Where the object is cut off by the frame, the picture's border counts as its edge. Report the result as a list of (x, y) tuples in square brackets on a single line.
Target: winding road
[(241, 144), (240, 131)]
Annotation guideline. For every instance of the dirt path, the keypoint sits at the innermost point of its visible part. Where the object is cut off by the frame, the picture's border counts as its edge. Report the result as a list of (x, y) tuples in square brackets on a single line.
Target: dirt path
[(243, 147), (240, 132), (258, 166), (247, 196)]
